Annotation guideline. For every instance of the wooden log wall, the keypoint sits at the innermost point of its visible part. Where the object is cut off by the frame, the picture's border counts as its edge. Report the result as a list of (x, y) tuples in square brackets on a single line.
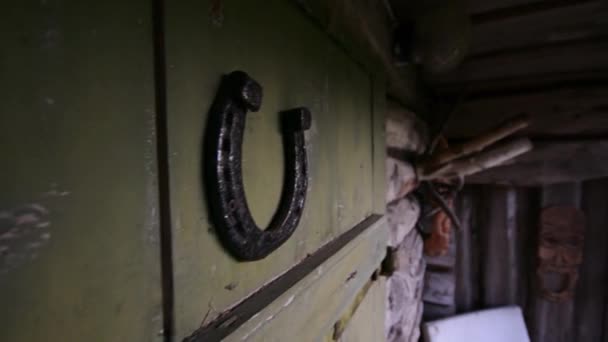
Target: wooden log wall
[(545, 58), (493, 261)]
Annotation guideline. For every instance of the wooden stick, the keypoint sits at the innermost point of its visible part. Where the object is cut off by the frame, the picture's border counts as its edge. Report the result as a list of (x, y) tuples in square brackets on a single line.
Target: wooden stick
[(477, 144), (490, 158), (425, 175), (444, 205)]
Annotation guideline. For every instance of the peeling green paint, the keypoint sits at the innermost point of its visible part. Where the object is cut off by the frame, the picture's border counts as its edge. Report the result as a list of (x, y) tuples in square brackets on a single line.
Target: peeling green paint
[(78, 140), (298, 65)]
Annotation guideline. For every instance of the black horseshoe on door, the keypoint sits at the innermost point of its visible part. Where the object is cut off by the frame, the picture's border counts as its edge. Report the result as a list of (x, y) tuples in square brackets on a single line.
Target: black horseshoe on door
[(235, 226)]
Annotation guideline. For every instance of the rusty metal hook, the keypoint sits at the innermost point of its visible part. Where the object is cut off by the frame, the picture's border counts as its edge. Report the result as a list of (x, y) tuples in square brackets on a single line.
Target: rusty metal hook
[(237, 94)]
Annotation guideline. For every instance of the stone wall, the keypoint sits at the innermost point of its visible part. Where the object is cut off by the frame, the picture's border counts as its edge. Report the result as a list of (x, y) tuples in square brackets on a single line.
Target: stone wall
[(405, 137)]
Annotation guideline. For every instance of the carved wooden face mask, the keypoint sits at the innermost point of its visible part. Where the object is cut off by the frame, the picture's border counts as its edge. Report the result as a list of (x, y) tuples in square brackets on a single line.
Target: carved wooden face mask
[(560, 251)]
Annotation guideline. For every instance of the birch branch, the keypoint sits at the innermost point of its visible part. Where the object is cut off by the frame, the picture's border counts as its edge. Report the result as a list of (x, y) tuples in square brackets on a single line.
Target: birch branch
[(478, 144), (487, 159)]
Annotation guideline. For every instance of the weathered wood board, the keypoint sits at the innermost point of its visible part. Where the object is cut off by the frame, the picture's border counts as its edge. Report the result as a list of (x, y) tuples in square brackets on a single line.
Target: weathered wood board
[(467, 251), (553, 321), (501, 257), (551, 163), (312, 307), (574, 110), (364, 29), (573, 20), (79, 245), (367, 324), (486, 281), (590, 315), (568, 126), (482, 6), (298, 65), (585, 55)]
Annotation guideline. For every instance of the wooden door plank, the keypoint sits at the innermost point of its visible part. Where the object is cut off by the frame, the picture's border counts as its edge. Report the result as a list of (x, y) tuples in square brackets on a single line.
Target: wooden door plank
[(550, 321), (79, 246), (367, 324), (364, 29), (310, 308), (298, 65), (379, 143), (467, 248), (591, 293), (505, 240), (499, 272)]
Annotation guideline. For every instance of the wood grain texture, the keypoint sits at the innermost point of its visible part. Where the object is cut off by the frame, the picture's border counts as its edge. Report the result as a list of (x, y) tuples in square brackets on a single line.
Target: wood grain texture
[(80, 170), (510, 86), (482, 6), (363, 28), (572, 21), (571, 111), (582, 319), (379, 108), (297, 64), (605, 322), (591, 291), (466, 266), (554, 321), (567, 125), (367, 324), (576, 57), (503, 236), (551, 163), (311, 307), (581, 110), (547, 59), (498, 239)]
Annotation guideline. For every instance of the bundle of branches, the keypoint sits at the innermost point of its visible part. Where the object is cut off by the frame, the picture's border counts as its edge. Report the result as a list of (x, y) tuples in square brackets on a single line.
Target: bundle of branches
[(445, 167), (478, 154)]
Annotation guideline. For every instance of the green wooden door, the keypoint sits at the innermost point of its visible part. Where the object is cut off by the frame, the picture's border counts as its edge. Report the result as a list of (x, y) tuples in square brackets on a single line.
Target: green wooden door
[(298, 65), (79, 245), (80, 248)]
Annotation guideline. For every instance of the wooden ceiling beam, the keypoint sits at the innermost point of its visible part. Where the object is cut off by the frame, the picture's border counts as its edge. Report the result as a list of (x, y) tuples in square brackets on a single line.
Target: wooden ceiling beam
[(597, 38), (551, 163), (505, 87), (532, 8), (571, 111), (577, 57)]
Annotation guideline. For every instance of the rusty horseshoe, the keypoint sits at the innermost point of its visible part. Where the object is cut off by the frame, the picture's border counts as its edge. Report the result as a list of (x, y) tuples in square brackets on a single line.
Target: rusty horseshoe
[(237, 94)]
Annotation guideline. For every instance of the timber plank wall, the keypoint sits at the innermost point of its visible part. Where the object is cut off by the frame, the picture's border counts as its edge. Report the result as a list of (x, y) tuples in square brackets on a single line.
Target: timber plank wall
[(493, 260)]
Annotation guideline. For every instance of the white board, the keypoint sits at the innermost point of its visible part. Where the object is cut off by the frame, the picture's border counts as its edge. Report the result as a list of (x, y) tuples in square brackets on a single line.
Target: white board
[(496, 325)]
